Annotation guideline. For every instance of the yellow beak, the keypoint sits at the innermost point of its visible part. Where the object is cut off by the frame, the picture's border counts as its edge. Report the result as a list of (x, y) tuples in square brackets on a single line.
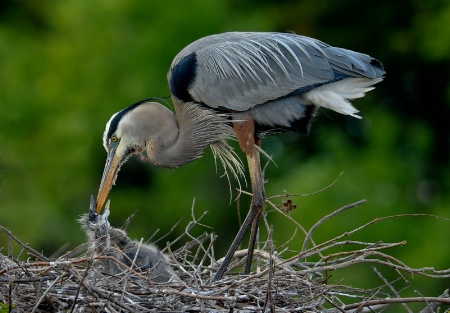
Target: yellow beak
[(112, 166)]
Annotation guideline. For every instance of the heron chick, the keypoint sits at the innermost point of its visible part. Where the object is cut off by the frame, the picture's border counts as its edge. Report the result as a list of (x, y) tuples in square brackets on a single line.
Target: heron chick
[(105, 240), (239, 85)]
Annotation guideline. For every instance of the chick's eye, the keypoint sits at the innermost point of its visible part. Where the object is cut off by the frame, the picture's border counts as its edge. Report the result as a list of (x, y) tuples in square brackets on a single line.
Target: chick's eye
[(114, 138)]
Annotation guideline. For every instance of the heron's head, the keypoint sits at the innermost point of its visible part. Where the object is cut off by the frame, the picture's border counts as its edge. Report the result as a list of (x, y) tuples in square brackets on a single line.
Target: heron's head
[(127, 133)]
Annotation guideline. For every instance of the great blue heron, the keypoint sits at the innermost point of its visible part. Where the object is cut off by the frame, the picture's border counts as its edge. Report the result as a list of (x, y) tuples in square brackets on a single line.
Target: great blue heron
[(243, 85), (105, 240)]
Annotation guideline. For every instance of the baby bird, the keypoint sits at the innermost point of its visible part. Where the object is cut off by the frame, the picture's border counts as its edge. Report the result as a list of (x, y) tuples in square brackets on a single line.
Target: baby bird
[(109, 241)]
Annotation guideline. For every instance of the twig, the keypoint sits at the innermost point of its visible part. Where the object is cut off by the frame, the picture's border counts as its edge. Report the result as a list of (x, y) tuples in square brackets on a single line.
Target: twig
[(191, 225), (394, 291), (326, 218), (101, 293), (269, 299), (79, 287), (45, 293), (308, 194), (395, 300), (24, 245), (316, 248), (431, 307)]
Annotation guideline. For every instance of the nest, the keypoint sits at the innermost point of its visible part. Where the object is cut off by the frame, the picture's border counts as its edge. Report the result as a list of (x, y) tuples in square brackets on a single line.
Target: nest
[(276, 284)]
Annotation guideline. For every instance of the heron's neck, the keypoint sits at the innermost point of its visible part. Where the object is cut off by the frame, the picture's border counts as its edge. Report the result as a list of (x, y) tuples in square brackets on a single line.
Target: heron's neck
[(195, 128)]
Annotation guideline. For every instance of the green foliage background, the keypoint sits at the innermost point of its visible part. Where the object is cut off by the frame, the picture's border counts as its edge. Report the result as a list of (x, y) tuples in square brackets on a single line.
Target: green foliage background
[(67, 66)]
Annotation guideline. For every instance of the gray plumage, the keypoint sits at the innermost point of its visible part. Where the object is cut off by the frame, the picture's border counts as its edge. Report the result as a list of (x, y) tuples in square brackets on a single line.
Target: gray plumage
[(241, 85), (240, 71), (105, 240)]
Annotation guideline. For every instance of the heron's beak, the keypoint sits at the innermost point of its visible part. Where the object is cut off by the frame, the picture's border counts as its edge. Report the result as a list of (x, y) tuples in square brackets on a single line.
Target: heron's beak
[(109, 176)]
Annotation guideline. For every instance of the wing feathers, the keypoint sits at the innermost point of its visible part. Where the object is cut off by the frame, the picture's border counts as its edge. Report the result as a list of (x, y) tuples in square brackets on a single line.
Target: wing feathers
[(238, 71)]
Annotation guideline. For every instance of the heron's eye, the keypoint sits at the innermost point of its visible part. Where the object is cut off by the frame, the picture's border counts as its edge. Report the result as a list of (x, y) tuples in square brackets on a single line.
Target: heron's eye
[(114, 138)]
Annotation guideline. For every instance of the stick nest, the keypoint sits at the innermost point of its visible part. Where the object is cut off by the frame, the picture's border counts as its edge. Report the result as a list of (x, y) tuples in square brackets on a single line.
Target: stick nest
[(299, 283)]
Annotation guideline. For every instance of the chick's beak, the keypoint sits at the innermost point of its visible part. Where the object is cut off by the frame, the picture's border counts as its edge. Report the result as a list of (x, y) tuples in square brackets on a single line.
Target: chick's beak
[(112, 166)]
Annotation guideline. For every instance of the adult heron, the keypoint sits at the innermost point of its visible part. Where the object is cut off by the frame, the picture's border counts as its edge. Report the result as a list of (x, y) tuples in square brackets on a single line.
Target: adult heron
[(242, 85)]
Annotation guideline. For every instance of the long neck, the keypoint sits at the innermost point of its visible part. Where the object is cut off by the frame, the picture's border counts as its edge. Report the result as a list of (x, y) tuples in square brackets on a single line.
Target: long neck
[(197, 128)]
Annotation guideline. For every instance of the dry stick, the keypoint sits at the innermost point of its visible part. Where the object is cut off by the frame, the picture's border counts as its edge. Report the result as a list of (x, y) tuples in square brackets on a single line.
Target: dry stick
[(43, 264), (46, 292), (197, 282), (359, 260), (189, 245), (128, 221), (199, 248), (123, 265), (79, 286), (368, 300), (202, 261), (97, 291), (190, 225), (327, 217), (268, 298), (127, 276), (286, 244), (24, 245), (198, 296), (156, 232), (10, 296), (431, 307), (308, 194), (197, 221), (212, 254), (353, 253), (313, 251), (396, 300), (197, 279), (269, 229), (168, 233), (246, 279), (259, 253), (333, 304), (66, 255), (110, 308), (20, 254), (174, 259), (29, 280), (394, 291), (10, 247), (67, 262), (238, 206), (60, 250), (169, 251)]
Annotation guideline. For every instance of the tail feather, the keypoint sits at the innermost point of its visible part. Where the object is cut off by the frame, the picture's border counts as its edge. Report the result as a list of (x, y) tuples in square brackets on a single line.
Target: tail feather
[(335, 96)]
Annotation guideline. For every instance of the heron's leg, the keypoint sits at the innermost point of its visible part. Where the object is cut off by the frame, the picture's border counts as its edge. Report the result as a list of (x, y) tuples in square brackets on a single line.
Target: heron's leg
[(245, 132), (258, 199)]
